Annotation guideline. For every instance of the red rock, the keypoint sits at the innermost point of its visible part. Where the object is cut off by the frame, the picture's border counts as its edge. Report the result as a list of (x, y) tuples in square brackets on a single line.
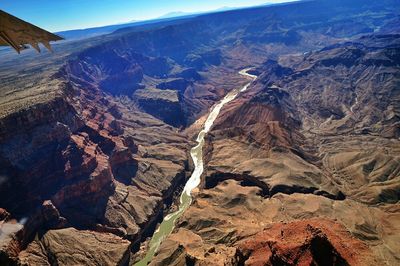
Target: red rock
[(306, 242)]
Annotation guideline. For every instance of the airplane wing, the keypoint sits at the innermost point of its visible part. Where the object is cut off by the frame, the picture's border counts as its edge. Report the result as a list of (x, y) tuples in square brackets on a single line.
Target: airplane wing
[(18, 33)]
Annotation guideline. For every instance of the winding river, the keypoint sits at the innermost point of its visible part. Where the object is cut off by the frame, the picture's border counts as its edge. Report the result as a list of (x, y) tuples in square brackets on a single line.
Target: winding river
[(167, 225)]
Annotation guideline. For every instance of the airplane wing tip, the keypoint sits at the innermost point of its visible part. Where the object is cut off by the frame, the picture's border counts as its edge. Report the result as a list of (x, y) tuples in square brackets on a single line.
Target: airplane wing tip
[(17, 33)]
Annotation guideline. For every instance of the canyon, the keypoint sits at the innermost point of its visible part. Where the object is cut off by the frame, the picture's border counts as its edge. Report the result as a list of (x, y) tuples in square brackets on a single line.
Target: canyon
[(299, 167)]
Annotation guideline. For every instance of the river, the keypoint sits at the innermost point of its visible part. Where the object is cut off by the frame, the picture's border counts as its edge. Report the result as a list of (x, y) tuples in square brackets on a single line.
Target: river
[(167, 225)]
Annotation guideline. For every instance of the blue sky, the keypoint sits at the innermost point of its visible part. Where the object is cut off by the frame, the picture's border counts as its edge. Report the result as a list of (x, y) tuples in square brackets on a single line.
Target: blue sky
[(57, 15)]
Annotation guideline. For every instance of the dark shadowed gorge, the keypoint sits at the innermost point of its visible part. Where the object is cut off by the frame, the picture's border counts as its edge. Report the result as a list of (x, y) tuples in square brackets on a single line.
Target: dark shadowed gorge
[(302, 168)]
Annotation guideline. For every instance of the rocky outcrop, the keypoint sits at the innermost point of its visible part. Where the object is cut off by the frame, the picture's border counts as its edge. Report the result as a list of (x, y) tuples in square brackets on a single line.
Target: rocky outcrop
[(70, 246), (202, 60), (114, 73), (189, 74), (267, 118), (212, 180), (175, 84), (45, 133), (304, 242), (163, 104)]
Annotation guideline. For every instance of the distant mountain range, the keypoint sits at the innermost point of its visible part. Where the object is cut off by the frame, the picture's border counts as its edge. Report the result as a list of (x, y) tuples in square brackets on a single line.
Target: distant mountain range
[(176, 14), (96, 31)]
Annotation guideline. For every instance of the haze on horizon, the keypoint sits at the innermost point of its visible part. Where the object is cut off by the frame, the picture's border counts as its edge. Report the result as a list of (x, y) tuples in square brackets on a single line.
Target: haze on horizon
[(79, 14)]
